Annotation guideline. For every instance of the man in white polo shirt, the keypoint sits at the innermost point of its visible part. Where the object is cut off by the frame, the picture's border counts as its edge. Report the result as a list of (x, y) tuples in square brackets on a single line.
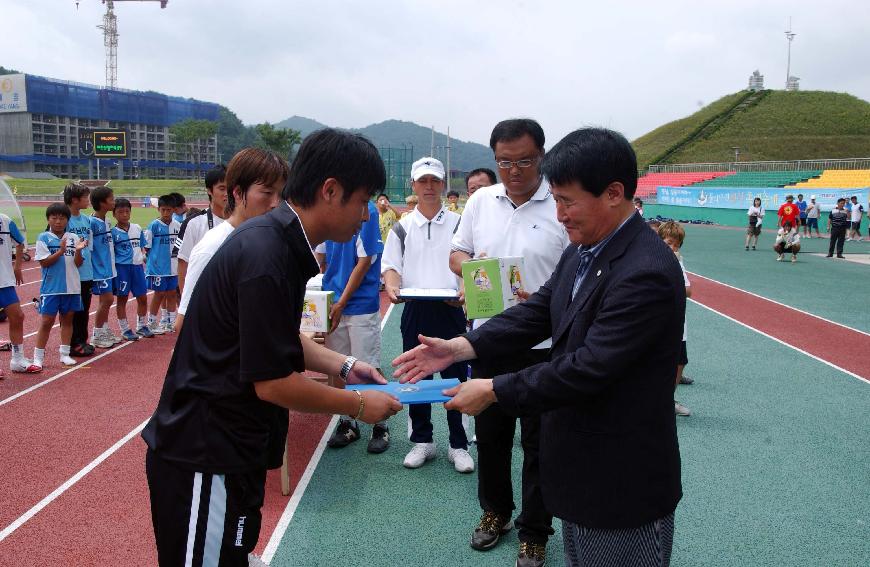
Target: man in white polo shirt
[(416, 255), (517, 217)]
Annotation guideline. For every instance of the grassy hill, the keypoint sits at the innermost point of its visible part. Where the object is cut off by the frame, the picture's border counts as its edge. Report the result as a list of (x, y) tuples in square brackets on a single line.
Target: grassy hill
[(779, 126), (136, 187)]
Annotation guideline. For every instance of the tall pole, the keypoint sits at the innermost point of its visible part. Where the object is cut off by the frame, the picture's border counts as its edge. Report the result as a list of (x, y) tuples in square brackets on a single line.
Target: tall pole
[(432, 146), (789, 36)]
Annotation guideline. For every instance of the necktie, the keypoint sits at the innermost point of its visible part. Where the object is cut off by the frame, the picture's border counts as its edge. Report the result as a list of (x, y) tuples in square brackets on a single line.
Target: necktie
[(586, 258)]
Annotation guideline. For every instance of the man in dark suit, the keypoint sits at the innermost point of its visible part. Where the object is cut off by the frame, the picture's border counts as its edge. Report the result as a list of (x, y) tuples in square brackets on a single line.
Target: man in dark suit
[(609, 457)]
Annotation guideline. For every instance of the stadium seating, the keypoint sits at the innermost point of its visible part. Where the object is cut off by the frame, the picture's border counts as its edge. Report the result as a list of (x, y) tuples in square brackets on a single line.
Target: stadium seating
[(760, 179), (646, 185), (845, 178)]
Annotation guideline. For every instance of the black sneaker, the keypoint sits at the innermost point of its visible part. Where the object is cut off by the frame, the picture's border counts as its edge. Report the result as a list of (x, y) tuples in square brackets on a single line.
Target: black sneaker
[(686, 380), (531, 554), (346, 433), (840, 256), (491, 528), (81, 350), (380, 439)]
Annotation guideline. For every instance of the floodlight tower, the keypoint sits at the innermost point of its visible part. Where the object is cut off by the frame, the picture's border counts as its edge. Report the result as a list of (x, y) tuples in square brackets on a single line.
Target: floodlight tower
[(789, 35)]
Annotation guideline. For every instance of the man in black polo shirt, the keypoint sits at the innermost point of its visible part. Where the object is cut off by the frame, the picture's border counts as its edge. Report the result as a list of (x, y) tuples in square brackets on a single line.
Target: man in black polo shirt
[(222, 418)]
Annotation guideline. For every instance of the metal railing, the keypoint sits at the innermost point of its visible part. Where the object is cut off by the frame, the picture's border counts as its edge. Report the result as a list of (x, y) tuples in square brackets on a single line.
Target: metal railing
[(794, 165)]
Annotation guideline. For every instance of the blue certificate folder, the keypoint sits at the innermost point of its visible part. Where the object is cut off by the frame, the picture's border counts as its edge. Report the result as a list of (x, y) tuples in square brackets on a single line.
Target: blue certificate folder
[(423, 392)]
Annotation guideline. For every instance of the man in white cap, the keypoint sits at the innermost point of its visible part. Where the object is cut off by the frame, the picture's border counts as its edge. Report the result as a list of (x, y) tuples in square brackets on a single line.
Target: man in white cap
[(416, 255), (813, 211)]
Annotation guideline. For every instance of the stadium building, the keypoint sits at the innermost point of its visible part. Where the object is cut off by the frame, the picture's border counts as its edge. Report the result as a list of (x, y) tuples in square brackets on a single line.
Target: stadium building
[(48, 125)]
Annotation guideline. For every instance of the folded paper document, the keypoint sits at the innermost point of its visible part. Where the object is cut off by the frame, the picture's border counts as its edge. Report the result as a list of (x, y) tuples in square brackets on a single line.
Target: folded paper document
[(423, 392)]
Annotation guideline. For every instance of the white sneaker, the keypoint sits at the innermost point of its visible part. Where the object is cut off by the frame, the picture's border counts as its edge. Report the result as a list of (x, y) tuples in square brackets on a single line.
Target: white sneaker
[(113, 337), (67, 360), (100, 340), (461, 460), (156, 328), (680, 409), (20, 365), (419, 454)]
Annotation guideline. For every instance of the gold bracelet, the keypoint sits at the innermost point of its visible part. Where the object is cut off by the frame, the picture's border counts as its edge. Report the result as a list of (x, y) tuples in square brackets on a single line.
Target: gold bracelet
[(362, 405)]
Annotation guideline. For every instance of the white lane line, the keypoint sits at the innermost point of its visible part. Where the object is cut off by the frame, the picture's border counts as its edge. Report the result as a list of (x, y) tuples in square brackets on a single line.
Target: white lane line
[(10, 529), (781, 304), (780, 341), (296, 498), (64, 373)]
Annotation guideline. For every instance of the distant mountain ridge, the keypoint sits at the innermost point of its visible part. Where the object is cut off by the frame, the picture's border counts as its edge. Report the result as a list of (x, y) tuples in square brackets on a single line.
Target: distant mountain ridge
[(464, 156)]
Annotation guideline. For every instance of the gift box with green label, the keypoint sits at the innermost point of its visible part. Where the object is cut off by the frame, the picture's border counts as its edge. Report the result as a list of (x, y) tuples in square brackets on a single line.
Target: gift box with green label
[(491, 285), (315, 311)]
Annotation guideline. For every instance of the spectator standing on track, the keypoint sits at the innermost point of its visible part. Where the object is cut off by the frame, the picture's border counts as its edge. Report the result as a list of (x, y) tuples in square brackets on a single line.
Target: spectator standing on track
[(788, 211), (755, 214), (838, 222), (788, 239), (76, 197), (255, 178), (387, 215), (802, 217), (417, 255), (59, 253), (193, 229), (674, 235), (222, 418), (813, 213), (857, 216), (480, 177), (129, 241), (514, 218), (103, 263), (353, 273), (160, 267), (10, 276)]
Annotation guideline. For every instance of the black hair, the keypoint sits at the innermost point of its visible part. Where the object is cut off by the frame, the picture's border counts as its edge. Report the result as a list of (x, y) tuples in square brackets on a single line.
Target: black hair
[(489, 173), (123, 203), (855, 197), (179, 199), (382, 194), (841, 199), (594, 158), (165, 201), (516, 128), (254, 165), (800, 195), (215, 176), (57, 209), (453, 193), (74, 191), (99, 196), (349, 158)]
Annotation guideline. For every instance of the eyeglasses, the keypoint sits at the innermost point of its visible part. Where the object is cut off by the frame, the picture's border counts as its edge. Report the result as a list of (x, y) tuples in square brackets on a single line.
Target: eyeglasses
[(521, 163)]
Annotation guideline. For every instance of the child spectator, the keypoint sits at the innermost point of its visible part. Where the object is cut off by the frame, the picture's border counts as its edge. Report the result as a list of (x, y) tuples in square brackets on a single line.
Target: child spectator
[(59, 253), (813, 213), (755, 214), (788, 239), (161, 268), (673, 234), (411, 201), (838, 221), (387, 215), (75, 195), (102, 249), (10, 276), (453, 202), (129, 241)]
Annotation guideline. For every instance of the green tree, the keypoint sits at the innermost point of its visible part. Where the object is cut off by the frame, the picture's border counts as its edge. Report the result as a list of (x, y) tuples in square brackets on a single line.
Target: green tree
[(280, 140), (193, 135), (232, 135)]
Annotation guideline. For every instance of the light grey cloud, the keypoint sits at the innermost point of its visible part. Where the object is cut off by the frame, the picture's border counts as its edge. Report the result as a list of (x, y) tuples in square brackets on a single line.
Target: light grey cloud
[(626, 65)]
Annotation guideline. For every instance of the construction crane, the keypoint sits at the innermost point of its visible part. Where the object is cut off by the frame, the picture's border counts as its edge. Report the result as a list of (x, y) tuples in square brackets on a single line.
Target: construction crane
[(110, 38)]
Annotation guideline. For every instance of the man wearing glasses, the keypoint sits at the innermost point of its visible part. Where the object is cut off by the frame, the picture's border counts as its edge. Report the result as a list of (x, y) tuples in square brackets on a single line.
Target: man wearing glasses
[(517, 217)]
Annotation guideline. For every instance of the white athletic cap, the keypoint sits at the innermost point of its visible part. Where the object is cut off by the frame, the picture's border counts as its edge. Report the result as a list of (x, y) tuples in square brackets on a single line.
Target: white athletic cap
[(427, 166), (812, 197)]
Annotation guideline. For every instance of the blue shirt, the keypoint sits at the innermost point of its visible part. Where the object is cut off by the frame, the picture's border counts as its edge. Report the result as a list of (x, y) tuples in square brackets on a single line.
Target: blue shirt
[(62, 277), (128, 244), (80, 225), (102, 249), (341, 259), (159, 240), (178, 217), (802, 206), (10, 237)]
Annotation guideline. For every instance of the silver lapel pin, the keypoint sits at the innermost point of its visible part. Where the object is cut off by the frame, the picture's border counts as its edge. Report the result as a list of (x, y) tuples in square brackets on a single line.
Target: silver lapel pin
[(598, 274)]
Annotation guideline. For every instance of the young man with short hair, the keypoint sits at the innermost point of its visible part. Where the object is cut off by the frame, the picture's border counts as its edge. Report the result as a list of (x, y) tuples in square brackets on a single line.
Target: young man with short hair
[(802, 216), (179, 210), (12, 244), (222, 418), (813, 213), (480, 177), (838, 222), (76, 197), (857, 215), (417, 254), (788, 211), (129, 241), (103, 263), (193, 229)]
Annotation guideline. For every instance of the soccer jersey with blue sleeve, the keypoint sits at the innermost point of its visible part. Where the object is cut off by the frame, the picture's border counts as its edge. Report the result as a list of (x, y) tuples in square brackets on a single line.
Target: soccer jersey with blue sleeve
[(62, 277), (160, 238), (102, 249), (128, 245), (10, 237), (80, 225)]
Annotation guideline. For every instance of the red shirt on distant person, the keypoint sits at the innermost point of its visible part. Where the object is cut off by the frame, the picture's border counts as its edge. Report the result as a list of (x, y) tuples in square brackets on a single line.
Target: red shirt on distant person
[(788, 212)]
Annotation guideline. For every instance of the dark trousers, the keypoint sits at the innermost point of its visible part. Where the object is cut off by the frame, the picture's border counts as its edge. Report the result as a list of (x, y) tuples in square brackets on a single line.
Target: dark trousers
[(838, 237), (647, 546), (495, 439), (80, 318), (434, 319)]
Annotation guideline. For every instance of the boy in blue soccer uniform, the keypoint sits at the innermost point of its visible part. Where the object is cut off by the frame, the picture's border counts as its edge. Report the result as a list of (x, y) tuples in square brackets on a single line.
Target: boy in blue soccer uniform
[(161, 267), (76, 197), (129, 240), (10, 276), (60, 254), (103, 265)]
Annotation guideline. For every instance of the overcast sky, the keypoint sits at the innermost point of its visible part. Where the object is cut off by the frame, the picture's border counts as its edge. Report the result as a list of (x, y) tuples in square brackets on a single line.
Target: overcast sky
[(630, 66)]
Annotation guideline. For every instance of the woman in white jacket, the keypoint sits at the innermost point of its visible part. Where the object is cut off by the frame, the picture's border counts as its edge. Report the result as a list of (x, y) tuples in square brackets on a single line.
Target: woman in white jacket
[(755, 214)]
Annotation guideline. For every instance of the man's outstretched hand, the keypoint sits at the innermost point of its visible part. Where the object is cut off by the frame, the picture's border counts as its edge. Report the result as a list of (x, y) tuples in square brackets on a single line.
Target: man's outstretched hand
[(430, 356)]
